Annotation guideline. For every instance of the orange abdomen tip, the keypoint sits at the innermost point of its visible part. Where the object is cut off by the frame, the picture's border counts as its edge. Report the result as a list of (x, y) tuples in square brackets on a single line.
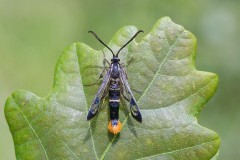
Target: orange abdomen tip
[(114, 128)]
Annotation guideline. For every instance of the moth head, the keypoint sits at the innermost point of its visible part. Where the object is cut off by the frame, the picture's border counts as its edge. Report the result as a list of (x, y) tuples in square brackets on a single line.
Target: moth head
[(115, 59)]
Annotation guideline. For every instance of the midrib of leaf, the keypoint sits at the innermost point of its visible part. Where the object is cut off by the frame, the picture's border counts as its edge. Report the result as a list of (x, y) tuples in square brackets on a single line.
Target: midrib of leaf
[(29, 124), (182, 149), (160, 67)]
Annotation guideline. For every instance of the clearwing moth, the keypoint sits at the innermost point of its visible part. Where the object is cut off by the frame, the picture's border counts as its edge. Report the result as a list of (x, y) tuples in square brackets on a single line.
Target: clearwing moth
[(115, 86)]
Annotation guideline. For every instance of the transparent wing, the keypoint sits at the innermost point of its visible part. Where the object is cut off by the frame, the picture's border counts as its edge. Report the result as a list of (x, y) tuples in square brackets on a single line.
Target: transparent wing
[(135, 111), (100, 94)]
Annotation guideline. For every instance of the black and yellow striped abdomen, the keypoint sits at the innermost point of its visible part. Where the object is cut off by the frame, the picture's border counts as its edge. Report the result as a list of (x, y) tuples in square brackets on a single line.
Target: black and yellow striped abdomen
[(114, 98)]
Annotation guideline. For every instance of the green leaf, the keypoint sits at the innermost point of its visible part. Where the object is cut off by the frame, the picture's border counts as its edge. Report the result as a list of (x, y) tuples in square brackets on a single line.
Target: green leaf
[(172, 94)]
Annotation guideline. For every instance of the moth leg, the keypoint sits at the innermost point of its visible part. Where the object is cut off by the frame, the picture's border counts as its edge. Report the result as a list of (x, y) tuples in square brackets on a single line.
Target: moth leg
[(103, 99), (127, 63), (105, 94), (136, 91), (104, 65), (125, 97), (125, 111), (101, 74), (105, 60)]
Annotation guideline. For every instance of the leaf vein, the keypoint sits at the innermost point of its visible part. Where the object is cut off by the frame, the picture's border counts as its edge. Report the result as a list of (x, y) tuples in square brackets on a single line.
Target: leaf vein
[(31, 127), (156, 74), (184, 99), (70, 149), (181, 149)]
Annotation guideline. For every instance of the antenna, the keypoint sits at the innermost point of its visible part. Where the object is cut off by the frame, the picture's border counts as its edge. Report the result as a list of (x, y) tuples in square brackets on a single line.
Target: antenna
[(95, 35), (129, 41)]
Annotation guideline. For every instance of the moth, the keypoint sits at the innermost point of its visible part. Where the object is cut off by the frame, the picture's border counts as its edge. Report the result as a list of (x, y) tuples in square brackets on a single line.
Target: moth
[(115, 85)]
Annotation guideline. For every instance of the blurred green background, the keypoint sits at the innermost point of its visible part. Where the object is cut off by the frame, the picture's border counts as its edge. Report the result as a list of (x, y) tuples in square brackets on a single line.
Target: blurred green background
[(34, 33)]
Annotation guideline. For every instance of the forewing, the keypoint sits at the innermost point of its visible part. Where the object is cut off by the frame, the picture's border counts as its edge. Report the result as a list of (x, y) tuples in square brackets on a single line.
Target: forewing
[(135, 111), (100, 94)]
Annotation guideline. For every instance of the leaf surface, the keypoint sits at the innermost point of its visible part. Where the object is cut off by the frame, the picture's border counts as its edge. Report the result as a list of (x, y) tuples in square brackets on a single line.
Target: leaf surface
[(172, 93)]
